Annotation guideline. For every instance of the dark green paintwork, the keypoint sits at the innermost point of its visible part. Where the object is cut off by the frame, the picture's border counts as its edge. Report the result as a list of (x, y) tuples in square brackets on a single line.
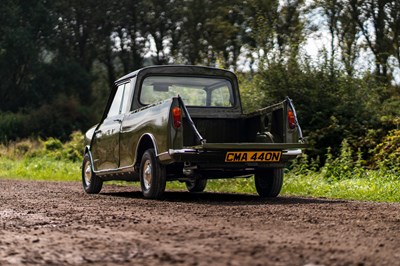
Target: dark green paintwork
[(152, 122), (116, 144)]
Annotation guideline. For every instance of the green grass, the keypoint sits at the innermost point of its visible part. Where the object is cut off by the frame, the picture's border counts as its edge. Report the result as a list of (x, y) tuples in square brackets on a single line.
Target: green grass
[(378, 186), (374, 185), (35, 168), (236, 185)]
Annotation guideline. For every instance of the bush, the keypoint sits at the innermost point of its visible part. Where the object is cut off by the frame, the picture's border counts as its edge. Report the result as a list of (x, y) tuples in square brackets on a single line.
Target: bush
[(58, 119), (51, 148), (23, 147), (347, 165), (305, 165), (387, 153), (12, 126), (52, 144), (75, 146), (251, 96), (341, 167)]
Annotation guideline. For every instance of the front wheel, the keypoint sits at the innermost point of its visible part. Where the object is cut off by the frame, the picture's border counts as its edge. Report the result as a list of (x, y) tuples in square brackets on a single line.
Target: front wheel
[(269, 182), (152, 176), (92, 184)]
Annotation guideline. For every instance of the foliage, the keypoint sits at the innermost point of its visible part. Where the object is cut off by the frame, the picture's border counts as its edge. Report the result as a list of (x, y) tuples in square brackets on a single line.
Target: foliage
[(59, 59), (375, 186), (60, 118), (346, 176), (387, 153), (48, 159), (341, 167), (52, 148), (252, 97), (330, 106), (69, 151), (12, 125), (24, 33), (349, 164)]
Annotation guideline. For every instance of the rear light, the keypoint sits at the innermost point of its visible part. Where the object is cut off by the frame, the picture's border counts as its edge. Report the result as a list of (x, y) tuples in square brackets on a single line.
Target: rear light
[(177, 116), (291, 120)]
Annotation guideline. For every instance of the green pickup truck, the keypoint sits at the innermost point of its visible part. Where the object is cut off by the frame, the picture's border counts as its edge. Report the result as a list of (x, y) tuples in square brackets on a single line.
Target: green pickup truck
[(185, 123)]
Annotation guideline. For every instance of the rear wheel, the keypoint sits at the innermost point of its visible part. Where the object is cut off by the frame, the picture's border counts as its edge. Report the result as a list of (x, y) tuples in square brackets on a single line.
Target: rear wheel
[(92, 184), (269, 182), (196, 185), (152, 176)]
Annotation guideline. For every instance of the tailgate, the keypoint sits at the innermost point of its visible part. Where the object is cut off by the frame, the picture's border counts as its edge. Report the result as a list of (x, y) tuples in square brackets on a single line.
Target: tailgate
[(249, 146)]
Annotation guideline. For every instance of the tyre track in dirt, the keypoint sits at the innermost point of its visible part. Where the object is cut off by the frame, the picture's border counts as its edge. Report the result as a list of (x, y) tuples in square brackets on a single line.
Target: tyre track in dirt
[(56, 223)]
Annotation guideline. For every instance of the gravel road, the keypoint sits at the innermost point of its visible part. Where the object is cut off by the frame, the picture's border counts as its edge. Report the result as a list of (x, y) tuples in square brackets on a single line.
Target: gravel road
[(57, 224)]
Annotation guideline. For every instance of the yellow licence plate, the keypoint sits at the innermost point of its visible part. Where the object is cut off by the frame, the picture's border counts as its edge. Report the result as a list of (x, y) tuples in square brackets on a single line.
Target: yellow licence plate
[(253, 156)]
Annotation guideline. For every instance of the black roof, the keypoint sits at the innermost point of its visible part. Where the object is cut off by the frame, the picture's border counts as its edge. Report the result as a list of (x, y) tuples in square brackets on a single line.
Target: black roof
[(179, 69)]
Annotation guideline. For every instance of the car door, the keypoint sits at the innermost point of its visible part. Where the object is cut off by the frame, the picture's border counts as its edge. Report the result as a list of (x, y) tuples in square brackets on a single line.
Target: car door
[(105, 145)]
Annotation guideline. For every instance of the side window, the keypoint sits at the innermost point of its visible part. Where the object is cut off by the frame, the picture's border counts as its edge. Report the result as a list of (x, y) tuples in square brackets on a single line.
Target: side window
[(221, 97), (127, 96), (116, 104)]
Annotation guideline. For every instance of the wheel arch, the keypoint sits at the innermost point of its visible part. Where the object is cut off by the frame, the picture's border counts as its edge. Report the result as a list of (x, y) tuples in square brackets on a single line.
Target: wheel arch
[(146, 141), (89, 153)]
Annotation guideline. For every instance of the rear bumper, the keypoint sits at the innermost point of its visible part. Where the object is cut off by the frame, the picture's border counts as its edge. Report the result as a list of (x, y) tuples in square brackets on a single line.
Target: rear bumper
[(212, 155)]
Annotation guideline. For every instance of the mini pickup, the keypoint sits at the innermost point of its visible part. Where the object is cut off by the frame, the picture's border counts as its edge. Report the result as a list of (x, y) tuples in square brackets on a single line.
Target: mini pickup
[(186, 123)]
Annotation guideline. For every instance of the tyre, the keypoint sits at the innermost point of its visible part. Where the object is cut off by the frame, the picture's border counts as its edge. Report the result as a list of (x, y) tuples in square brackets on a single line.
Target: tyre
[(196, 185), (152, 176), (92, 184), (269, 182)]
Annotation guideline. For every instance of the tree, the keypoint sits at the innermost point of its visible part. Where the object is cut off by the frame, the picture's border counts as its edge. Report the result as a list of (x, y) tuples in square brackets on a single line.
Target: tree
[(262, 16), (331, 10), (158, 25), (289, 29), (75, 30), (225, 31), (343, 30), (192, 45), (24, 39), (374, 23), (394, 25), (276, 29), (348, 34)]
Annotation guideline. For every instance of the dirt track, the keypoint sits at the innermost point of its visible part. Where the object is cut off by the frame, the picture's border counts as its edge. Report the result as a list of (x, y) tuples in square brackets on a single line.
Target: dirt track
[(56, 223)]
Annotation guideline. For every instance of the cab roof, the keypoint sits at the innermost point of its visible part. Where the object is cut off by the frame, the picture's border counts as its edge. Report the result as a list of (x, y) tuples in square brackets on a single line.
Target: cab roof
[(179, 70)]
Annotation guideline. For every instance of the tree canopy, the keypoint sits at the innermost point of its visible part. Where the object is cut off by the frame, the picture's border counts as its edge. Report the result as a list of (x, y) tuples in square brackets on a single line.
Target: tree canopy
[(58, 59)]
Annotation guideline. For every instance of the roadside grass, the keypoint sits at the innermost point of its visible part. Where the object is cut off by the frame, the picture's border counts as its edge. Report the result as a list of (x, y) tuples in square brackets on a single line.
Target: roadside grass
[(236, 185), (377, 185), (45, 169), (51, 160), (37, 159)]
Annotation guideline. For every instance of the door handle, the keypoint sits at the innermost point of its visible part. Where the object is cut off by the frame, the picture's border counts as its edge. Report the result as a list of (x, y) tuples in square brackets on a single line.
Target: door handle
[(118, 120)]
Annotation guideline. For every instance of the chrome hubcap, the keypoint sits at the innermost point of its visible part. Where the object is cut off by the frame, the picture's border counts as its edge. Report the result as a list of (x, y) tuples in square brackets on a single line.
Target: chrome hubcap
[(147, 175), (88, 173)]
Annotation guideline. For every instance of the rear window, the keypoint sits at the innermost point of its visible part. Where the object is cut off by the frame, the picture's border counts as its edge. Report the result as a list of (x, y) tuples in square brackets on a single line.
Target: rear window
[(195, 91)]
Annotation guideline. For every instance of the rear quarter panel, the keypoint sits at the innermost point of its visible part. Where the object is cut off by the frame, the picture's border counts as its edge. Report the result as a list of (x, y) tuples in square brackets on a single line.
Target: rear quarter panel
[(154, 121)]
